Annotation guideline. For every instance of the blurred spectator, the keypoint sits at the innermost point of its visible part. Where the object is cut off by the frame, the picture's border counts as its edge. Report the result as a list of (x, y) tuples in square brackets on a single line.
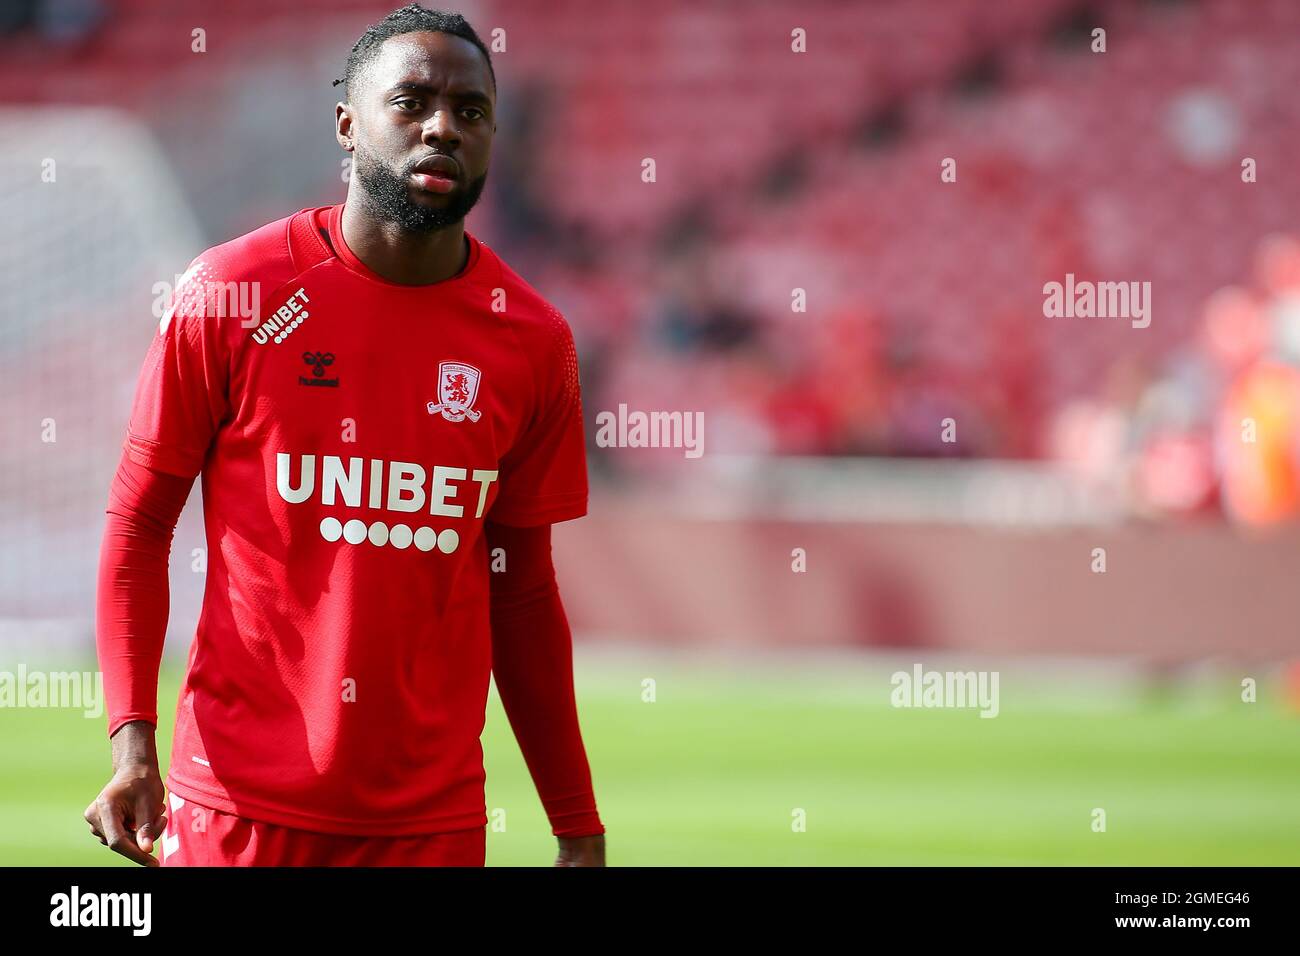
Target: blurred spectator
[(17, 15), (68, 22)]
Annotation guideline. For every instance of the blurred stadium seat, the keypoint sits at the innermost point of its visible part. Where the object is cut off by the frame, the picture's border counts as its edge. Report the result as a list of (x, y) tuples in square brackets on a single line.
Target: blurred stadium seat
[(774, 172)]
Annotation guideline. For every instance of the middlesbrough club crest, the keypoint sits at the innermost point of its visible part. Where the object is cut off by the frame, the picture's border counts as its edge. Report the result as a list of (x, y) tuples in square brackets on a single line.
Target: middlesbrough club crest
[(457, 390)]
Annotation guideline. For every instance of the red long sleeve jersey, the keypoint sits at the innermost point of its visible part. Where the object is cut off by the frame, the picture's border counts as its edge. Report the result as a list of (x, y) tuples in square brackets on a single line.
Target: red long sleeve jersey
[(353, 436)]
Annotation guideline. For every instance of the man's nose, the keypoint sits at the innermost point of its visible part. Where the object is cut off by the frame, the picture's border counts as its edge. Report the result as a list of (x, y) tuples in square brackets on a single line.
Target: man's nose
[(441, 126)]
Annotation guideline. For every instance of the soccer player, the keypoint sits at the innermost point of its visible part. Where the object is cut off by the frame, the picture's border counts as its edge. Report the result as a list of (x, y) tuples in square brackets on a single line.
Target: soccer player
[(383, 447)]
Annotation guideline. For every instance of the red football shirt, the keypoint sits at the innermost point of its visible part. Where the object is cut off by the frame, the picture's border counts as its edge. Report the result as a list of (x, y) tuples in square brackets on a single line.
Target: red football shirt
[(353, 436)]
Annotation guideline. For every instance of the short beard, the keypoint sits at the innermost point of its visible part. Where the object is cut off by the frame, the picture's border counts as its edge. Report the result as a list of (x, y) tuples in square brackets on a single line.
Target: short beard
[(388, 197)]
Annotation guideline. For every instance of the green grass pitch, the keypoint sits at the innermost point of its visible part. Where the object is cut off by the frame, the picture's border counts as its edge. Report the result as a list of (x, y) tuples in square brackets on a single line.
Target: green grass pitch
[(715, 770)]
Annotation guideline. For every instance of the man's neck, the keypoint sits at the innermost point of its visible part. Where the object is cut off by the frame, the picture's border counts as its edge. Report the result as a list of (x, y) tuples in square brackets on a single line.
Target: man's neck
[(403, 257)]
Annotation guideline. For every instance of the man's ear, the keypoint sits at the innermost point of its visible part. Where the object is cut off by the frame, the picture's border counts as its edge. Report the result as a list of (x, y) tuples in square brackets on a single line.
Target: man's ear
[(343, 126)]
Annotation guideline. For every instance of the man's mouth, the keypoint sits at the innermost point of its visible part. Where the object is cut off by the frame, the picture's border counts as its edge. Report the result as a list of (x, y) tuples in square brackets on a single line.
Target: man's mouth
[(437, 174), (434, 182)]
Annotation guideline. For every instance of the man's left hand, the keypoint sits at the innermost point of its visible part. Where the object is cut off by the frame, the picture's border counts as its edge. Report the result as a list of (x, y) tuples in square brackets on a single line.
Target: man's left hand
[(581, 851)]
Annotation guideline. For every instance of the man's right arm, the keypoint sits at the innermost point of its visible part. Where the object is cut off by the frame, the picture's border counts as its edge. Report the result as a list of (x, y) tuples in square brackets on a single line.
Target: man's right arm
[(133, 598), (181, 401), (132, 605)]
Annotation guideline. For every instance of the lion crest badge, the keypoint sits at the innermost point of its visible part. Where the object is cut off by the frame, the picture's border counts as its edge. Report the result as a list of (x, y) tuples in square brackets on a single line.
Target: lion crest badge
[(457, 392)]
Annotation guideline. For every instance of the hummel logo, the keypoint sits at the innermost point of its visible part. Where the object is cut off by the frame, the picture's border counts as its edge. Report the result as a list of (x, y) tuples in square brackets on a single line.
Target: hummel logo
[(318, 361)]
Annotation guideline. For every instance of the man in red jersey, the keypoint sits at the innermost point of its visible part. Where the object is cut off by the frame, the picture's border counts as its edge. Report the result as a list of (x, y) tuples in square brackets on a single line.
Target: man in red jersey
[(384, 442)]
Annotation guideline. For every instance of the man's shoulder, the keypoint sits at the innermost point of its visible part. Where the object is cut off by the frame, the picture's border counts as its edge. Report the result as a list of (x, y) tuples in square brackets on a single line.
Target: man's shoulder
[(236, 278), (531, 314), (272, 253)]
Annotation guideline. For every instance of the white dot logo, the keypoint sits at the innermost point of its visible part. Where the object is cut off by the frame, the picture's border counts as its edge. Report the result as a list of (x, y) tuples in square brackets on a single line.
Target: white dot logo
[(400, 536)]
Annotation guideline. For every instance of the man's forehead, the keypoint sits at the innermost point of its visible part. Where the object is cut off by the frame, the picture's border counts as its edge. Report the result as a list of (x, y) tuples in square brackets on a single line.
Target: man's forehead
[(429, 59)]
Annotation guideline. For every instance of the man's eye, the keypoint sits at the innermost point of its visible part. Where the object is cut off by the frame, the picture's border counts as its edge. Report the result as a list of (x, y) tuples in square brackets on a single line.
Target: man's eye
[(475, 109), (411, 102)]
